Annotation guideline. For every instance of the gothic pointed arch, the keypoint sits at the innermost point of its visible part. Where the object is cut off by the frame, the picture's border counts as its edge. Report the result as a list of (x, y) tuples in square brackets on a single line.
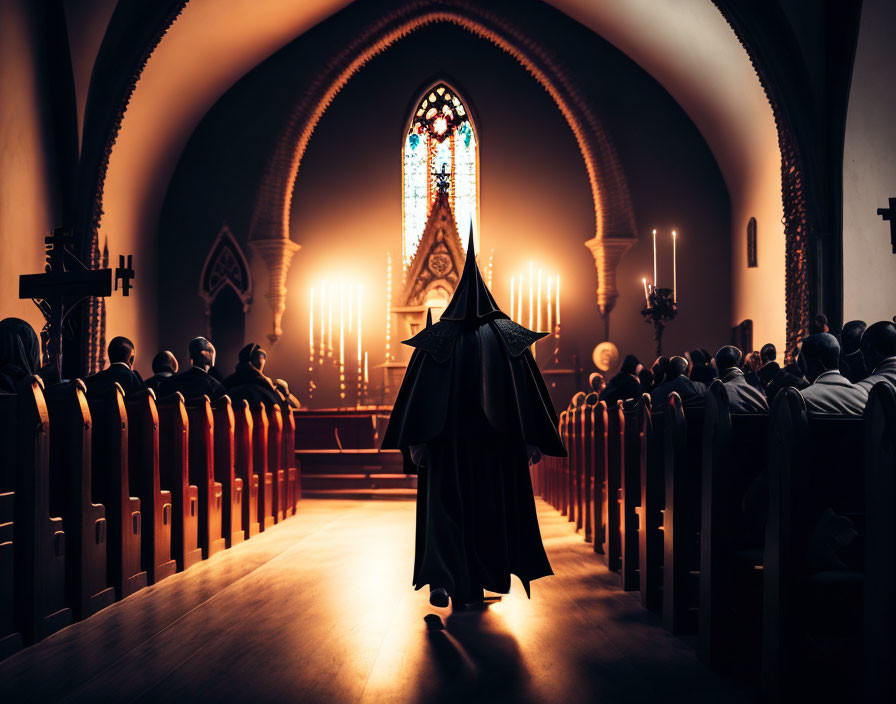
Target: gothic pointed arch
[(225, 266)]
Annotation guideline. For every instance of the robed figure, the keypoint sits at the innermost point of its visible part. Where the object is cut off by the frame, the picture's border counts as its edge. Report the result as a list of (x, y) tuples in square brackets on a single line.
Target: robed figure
[(472, 413)]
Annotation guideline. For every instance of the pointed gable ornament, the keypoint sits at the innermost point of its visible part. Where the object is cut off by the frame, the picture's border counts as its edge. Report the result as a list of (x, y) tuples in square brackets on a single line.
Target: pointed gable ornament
[(225, 265)]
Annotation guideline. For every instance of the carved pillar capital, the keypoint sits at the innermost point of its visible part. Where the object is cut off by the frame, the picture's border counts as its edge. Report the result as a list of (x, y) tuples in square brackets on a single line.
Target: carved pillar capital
[(607, 251), (277, 255)]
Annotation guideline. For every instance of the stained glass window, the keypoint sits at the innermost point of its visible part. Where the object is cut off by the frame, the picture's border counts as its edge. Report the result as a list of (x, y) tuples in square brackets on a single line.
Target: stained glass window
[(441, 136)]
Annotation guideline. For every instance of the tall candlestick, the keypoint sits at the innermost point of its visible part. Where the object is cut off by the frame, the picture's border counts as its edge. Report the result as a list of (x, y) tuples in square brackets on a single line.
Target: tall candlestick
[(538, 300), (512, 309), (351, 291), (365, 368), (674, 268), (330, 320), (557, 293), (342, 323), (359, 324), (311, 325), (654, 258), (646, 295), (531, 286), (549, 307)]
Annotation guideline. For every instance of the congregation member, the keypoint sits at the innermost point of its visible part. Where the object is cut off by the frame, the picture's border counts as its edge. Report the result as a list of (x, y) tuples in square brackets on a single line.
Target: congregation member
[(658, 370), (122, 355), (819, 324), (626, 384), (769, 368), (19, 353), (164, 365), (742, 396), (647, 380), (248, 380), (286, 395), (596, 382), (790, 376), (829, 391), (879, 353), (691, 392), (852, 364), (195, 382), (701, 367)]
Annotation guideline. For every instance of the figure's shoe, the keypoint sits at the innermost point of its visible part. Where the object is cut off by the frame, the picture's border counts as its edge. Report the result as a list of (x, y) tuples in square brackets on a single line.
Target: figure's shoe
[(438, 597)]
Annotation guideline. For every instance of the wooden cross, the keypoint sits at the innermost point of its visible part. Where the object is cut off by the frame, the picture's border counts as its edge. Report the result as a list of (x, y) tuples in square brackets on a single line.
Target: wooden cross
[(443, 178), (64, 284), (889, 214), (124, 274)]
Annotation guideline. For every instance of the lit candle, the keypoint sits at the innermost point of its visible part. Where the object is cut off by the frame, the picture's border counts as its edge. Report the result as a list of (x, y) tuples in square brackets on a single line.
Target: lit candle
[(512, 309), (323, 311), (654, 258), (549, 307), (359, 324), (311, 325), (557, 294), (351, 290), (538, 299), (519, 303), (342, 323), (674, 268), (330, 319), (365, 368), (531, 286), (646, 295)]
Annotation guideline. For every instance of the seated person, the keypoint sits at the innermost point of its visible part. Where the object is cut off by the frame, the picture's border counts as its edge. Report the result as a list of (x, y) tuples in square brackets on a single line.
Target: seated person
[(818, 324), (164, 364), (701, 367), (19, 353), (750, 369), (790, 376), (596, 382), (120, 371), (770, 368), (829, 392), (625, 384), (879, 353), (647, 380), (691, 392), (659, 372), (248, 382), (195, 382), (742, 397), (852, 365), (282, 389)]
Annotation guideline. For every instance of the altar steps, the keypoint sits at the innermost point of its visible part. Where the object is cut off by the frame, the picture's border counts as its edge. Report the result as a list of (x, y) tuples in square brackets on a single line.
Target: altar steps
[(355, 474)]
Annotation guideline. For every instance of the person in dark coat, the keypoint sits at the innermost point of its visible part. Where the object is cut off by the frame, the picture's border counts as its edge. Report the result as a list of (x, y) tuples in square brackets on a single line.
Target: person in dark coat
[(691, 392), (195, 382), (647, 381), (19, 353), (852, 364), (879, 352), (770, 368), (626, 384), (120, 371), (473, 413), (701, 367), (791, 376), (830, 393), (742, 396), (659, 368), (248, 380), (164, 365)]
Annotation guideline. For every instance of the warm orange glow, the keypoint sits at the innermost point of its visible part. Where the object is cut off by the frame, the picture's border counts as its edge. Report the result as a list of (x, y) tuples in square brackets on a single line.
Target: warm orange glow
[(654, 258), (646, 295), (512, 308), (311, 324), (531, 286), (674, 267), (538, 303), (359, 322), (550, 307), (558, 300)]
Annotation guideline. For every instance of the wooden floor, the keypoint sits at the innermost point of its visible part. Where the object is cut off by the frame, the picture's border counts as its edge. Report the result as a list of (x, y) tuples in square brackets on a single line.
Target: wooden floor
[(320, 609)]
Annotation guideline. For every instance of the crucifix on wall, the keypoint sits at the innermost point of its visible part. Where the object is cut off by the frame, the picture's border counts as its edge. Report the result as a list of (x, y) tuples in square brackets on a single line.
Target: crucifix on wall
[(889, 214), (64, 284)]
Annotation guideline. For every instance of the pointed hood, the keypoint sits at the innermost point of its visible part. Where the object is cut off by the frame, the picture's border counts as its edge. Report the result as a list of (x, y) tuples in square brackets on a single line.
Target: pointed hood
[(472, 301)]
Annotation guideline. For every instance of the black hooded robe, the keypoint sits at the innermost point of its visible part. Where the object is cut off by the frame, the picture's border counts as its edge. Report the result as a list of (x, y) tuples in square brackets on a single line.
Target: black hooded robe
[(471, 406)]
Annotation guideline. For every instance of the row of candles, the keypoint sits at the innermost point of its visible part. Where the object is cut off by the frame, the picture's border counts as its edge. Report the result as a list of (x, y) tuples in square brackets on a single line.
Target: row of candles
[(542, 302), (323, 308), (649, 288)]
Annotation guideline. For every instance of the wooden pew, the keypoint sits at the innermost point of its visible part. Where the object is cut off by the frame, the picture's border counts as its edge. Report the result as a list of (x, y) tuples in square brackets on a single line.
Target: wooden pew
[(587, 460), (563, 479), (683, 451), (260, 451), (174, 472), (880, 543), (633, 454), (71, 496), (40, 540), (244, 468), (10, 638), (113, 490), (599, 443), (143, 470), (201, 441), (288, 460), (814, 463), (275, 468), (735, 454), (573, 487), (650, 511), (225, 471), (615, 460)]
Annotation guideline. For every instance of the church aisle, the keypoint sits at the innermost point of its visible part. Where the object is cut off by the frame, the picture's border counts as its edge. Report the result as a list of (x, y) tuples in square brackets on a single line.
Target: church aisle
[(320, 609)]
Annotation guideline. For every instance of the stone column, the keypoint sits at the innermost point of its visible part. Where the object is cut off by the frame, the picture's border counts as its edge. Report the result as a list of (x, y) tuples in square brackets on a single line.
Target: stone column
[(277, 255)]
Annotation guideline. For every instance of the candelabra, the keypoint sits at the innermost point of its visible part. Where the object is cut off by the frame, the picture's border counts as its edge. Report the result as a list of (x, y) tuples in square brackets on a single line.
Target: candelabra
[(661, 308)]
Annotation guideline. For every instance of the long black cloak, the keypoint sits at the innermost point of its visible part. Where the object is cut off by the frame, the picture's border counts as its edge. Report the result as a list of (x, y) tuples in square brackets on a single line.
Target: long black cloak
[(473, 405)]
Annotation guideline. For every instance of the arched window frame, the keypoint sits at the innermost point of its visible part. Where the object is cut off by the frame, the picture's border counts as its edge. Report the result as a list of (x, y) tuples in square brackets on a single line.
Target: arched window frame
[(407, 236), (242, 285)]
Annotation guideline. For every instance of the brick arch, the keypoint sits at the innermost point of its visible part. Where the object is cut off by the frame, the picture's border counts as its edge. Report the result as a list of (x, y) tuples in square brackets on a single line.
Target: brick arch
[(614, 229)]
